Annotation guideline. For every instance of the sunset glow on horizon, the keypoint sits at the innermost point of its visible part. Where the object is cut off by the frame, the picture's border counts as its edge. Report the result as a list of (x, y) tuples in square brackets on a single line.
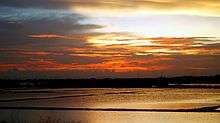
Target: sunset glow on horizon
[(109, 38)]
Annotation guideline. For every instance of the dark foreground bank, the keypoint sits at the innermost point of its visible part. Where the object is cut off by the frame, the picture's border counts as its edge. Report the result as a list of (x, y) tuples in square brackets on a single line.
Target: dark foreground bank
[(186, 81)]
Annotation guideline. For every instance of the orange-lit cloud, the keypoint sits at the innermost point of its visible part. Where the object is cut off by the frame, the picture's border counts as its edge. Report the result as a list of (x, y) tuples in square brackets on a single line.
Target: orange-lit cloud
[(49, 36), (35, 53), (139, 45), (115, 52), (79, 37), (114, 66), (122, 7), (174, 41)]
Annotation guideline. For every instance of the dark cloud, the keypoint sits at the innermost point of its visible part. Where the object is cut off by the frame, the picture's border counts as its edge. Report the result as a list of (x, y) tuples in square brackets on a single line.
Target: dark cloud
[(36, 3), (19, 23)]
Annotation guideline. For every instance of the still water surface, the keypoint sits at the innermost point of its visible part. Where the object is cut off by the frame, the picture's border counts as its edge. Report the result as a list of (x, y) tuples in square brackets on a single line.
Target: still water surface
[(135, 98)]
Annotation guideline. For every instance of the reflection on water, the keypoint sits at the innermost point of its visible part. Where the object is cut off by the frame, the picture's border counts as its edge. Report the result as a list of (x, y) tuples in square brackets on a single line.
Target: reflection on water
[(134, 98), (109, 117)]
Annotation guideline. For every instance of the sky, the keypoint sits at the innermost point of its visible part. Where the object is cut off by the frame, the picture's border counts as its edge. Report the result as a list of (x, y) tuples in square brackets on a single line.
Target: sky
[(109, 38)]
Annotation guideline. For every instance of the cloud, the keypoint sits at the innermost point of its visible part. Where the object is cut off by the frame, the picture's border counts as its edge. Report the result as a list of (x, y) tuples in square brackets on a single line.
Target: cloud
[(60, 4), (123, 7), (192, 7), (23, 22), (140, 45), (67, 36), (120, 53), (48, 36), (114, 66), (175, 41)]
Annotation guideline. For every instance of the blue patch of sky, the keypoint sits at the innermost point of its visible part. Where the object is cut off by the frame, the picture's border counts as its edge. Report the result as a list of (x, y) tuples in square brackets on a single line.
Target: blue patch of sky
[(23, 14)]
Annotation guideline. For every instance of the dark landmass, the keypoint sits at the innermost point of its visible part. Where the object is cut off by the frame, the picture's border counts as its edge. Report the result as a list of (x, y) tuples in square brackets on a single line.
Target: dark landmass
[(200, 109), (178, 82)]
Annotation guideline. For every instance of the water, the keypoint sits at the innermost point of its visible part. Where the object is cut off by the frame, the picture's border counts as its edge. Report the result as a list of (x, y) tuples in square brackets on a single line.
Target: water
[(135, 98)]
